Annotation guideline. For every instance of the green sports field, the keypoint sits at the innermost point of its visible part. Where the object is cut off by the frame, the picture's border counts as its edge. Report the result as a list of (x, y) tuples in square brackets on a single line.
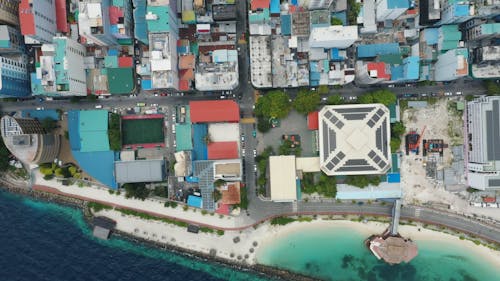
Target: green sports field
[(137, 131)]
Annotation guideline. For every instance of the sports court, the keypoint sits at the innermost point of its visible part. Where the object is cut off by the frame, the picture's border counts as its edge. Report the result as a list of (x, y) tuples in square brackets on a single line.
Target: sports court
[(143, 130)]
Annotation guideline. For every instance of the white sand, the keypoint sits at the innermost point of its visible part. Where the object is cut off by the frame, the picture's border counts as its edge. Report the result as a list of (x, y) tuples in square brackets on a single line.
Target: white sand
[(202, 242), (149, 205), (412, 232)]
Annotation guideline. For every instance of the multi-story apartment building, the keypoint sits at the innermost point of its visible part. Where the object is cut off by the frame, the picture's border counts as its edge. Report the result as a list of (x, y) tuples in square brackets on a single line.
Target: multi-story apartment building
[(94, 23), (483, 143), (61, 70), (8, 12), (38, 20), (11, 40), (14, 76)]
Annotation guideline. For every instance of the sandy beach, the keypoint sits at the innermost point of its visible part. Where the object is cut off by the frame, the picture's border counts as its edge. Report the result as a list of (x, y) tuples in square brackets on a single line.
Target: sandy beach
[(245, 250)]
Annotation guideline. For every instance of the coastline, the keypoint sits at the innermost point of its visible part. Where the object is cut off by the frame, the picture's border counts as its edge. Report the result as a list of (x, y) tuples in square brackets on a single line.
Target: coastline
[(265, 271), (264, 234)]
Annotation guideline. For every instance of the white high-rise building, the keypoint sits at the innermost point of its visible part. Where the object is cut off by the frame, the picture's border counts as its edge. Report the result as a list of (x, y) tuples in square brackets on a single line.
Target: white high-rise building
[(483, 143), (38, 21)]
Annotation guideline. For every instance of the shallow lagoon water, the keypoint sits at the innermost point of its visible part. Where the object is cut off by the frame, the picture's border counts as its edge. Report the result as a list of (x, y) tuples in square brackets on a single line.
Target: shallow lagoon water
[(338, 253)]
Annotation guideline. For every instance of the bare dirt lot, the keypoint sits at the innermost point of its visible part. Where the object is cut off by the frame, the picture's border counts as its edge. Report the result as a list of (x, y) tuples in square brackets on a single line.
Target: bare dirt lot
[(441, 121)]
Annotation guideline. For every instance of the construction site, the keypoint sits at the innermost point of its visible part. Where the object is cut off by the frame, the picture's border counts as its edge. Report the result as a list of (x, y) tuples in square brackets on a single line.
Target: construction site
[(433, 165)]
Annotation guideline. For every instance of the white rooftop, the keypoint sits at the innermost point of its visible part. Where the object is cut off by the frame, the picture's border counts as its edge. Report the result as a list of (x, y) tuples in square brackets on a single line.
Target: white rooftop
[(283, 184), (354, 139), (335, 36)]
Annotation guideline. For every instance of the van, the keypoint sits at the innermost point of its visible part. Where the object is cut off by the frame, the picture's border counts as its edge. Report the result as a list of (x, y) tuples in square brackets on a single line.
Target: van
[(173, 128)]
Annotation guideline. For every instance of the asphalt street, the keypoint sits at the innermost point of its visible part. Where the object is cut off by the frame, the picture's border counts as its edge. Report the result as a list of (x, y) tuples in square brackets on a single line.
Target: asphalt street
[(260, 209)]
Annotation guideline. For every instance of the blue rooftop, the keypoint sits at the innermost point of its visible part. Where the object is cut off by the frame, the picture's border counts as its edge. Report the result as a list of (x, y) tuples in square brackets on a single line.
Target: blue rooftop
[(99, 165), (140, 26), (461, 10), (41, 114), (200, 150), (335, 55), (195, 201), (411, 67), (393, 178), (275, 7), (286, 24), (397, 4), (397, 72), (373, 50), (89, 144), (431, 35)]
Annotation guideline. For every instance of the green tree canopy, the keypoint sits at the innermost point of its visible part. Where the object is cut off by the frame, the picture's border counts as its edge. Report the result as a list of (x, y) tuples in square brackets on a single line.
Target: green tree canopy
[(49, 124), (335, 100), (263, 124), (323, 90), (4, 156), (136, 190), (336, 21), (385, 97), (398, 129), (274, 104), (362, 181), (492, 88), (395, 144), (306, 102)]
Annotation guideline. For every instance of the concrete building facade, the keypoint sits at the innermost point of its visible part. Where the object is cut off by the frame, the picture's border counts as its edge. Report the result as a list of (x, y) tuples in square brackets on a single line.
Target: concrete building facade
[(14, 80), (483, 139), (451, 65), (61, 70), (9, 12), (38, 20), (11, 40), (27, 141), (94, 24)]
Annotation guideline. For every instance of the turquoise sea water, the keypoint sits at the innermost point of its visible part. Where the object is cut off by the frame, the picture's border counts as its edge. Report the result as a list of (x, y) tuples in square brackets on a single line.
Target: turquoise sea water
[(338, 253)]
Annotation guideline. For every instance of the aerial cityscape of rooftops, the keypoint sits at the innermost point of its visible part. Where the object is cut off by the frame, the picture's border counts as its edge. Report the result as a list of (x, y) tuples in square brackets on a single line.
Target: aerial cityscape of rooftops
[(217, 117)]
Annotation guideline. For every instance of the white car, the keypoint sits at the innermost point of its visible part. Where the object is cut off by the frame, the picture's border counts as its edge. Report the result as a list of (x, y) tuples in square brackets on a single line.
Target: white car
[(255, 168), (459, 93), (448, 94), (254, 153)]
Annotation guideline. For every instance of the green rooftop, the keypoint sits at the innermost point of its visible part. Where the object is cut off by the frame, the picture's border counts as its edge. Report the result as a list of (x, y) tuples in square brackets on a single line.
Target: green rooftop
[(120, 80), (183, 137), (94, 130), (391, 59), (162, 23), (259, 17), (449, 37)]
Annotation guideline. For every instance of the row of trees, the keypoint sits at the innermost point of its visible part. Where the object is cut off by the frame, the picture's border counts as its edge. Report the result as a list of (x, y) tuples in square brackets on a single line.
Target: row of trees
[(397, 131), (322, 184), (50, 170), (362, 181), (136, 190), (276, 104), (114, 133)]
